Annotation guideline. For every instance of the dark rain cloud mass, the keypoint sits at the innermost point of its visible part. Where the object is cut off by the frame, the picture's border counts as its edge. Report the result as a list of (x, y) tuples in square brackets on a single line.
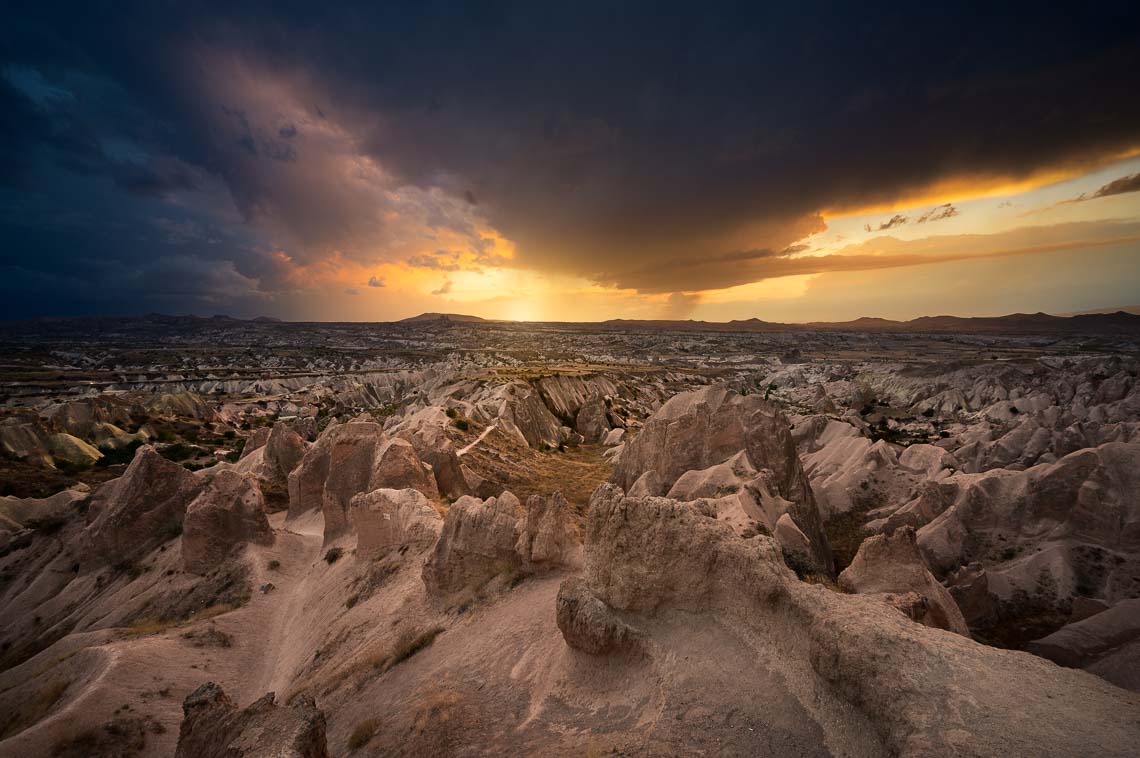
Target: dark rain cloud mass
[(638, 145)]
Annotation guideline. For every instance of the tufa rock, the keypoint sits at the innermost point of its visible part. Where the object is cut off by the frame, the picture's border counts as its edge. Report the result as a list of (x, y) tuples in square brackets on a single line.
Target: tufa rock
[(389, 519), (477, 543), (213, 727), (229, 512)]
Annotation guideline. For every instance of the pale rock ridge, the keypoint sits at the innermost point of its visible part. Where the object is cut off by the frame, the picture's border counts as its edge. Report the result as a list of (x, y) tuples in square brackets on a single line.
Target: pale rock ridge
[(700, 430), (548, 537)]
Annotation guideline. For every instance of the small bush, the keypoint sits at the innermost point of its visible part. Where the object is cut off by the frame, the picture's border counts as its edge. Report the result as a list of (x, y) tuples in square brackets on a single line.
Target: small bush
[(462, 425), (362, 734), (274, 564), (352, 601), (333, 555), (452, 413)]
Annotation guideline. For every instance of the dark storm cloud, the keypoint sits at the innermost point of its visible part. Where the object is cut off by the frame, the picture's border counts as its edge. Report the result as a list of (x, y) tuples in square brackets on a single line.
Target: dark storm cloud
[(1120, 186), (616, 141)]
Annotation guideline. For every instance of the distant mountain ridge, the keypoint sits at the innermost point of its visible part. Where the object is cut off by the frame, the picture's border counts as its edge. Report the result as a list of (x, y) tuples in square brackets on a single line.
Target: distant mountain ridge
[(1119, 322)]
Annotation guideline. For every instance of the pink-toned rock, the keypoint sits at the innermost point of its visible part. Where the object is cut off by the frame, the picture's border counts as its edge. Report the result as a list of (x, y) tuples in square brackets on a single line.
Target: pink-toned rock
[(477, 544), (229, 512), (131, 515), (549, 538), (389, 519), (892, 564), (214, 727)]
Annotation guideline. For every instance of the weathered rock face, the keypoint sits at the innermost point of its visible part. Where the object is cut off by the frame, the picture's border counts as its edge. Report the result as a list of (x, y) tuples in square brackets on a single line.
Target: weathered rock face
[(132, 514), (18, 514), (591, 421), (477, 543), (213, 727), (229, 512), (523, 413), (549, 537), (388, 519), (426, 430), (697, 431), (891, 563), (925, 692), (348, 460), (284, 449)]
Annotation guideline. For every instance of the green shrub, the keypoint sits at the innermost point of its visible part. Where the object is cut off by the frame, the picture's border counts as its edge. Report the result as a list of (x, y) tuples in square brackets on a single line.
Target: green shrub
[(333, 555)]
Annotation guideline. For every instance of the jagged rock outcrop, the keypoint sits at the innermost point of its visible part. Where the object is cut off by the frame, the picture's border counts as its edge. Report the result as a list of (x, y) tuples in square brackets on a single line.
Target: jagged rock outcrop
[(214, 727), (548, 536), (350, 459), (477, 543), (132, 514), (522, 413), (19, 514), (426, 429), (700, 431), (891, 564), (1042, 536), (230, 511), (925, 692), (389, 519)]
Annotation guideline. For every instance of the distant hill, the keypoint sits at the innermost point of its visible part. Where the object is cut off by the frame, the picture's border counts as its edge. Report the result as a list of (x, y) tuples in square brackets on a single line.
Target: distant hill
[(1119, 322), (432, 317)]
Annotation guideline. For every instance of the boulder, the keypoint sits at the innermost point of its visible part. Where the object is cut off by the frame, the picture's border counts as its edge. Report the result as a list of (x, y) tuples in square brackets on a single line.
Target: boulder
[(229, 512), (389, 519), (214, 727), (549, 537), (131, 515), (477, 543), (891, 563)]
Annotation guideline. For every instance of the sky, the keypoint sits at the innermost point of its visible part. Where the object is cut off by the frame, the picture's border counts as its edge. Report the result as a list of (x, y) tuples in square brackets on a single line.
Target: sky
[(572, 161)]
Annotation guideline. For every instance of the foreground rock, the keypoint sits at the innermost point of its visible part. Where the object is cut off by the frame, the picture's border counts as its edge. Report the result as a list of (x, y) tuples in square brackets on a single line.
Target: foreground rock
[(925, 692), (213, 727), (715, 442), (131, 515), (229, 512), (890, 564), (476, 545)]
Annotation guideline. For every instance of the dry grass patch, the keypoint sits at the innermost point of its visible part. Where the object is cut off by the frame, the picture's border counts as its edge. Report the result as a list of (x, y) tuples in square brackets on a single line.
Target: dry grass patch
[(434, 709), (407, 644)]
